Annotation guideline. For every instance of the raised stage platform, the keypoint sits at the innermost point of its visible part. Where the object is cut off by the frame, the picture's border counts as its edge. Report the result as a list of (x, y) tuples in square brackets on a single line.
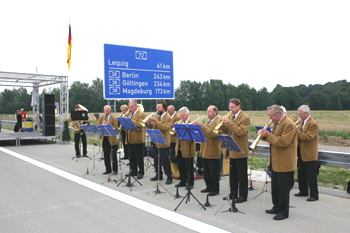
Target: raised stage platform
[(16, 138)]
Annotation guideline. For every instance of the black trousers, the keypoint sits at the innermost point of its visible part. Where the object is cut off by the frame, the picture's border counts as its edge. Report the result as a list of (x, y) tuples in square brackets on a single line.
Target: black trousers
[(280, 187), (172, 150), (110, 155), (126, 151), (77, 137), (164, 157), (211, 174), (186, 169), (136, 158), (307, 177), (238, 177)]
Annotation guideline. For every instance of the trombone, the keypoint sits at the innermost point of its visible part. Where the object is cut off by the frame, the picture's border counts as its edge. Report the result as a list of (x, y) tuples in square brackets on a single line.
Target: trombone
[(255, 143), (143, 122), (216, 129), (172, 131)]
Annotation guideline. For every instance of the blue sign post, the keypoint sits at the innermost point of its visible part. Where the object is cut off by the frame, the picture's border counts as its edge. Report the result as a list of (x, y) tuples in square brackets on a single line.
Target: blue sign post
[(137, 73)]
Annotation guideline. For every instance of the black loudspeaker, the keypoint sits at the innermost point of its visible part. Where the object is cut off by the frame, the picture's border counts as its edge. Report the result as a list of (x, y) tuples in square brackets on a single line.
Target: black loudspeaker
[(49, 115)]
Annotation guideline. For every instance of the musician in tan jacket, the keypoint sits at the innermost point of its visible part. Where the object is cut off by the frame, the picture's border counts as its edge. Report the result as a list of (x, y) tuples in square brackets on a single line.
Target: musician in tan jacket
[(136, 141), (175, 118), (283, 147), (109, 143), (163, 123), (307, 133), (187, 151), (210, 152), (237, 126)]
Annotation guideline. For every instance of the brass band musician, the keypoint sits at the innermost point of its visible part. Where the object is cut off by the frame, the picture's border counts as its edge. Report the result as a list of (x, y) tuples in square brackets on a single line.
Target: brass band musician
[(79, 132), (237, 126), (210, 152), (136, 141), (173, 138), (163, 123), (109, 143), (186, 153), (125, 113)]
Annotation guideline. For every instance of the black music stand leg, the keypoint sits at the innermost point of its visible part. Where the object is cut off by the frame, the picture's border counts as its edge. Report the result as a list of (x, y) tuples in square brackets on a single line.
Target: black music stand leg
[(157, 191), (189, 193)]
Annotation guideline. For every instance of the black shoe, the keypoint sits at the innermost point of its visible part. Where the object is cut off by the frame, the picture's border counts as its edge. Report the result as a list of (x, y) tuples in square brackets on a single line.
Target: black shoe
[(312, 199), (279, 217), (139, 176), (213, 193), (169, 181), (78, 156), (189, 187), (86, 156), (272, 211), (240, 200), (156, 178), (300, 195), (180, 185), (206, 190), (230, 196), (124, 158), (106, 173)]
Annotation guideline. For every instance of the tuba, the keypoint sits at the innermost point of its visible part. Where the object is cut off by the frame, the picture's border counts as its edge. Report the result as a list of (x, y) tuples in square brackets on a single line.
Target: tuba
[(76, 124)]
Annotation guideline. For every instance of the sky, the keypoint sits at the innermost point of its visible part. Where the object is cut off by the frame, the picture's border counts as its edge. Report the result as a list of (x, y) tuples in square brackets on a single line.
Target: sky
[(259, 43)]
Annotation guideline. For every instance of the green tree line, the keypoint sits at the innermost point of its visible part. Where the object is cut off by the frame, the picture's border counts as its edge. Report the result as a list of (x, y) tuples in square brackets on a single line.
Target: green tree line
[(198, 96)]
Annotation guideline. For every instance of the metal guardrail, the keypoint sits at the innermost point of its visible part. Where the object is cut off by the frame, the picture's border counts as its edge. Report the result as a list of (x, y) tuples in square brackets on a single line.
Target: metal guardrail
[(327, 158)]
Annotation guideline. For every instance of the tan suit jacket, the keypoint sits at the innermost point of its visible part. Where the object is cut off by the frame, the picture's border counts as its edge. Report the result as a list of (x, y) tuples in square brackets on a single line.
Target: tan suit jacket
[(238, 129), (136, 136), (308, 140), (211, 148), (114, 122), (188, 148), (283, 145), (164, 126), (176, 118)]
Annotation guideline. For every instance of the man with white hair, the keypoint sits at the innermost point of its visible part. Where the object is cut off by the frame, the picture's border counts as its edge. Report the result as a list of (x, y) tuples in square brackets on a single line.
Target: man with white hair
[(307, 133)]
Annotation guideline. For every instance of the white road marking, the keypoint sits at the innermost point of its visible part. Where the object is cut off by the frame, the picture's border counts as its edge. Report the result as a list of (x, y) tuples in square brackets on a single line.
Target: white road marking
[(168, 215)]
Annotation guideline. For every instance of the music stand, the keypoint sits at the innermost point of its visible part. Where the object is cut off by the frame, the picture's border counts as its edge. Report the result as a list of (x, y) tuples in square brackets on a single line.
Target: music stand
[(128, 125), (156, 137), (107, 130), (125, 123), (192, 133), (231, 145), (265, 188), (92, 129)]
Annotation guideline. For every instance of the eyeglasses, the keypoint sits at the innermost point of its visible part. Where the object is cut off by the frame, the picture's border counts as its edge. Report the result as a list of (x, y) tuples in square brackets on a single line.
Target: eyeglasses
[(231, 107)]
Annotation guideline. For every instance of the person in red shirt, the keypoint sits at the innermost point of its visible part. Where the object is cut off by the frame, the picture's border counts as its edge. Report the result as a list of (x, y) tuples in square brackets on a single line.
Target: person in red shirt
[(24, 115)]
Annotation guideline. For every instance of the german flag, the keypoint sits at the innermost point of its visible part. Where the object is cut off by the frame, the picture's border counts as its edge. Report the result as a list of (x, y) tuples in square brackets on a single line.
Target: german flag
[(69, 55)]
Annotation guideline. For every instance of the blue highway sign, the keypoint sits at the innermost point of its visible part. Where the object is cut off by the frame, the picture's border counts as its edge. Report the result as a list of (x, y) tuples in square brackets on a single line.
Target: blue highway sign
[(137, 73)]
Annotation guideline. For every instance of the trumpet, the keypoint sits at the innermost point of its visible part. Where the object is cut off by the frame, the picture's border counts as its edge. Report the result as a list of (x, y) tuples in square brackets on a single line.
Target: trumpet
[(143, 122), (255, 143), (216, 129), (125, 114), (172, 131)]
